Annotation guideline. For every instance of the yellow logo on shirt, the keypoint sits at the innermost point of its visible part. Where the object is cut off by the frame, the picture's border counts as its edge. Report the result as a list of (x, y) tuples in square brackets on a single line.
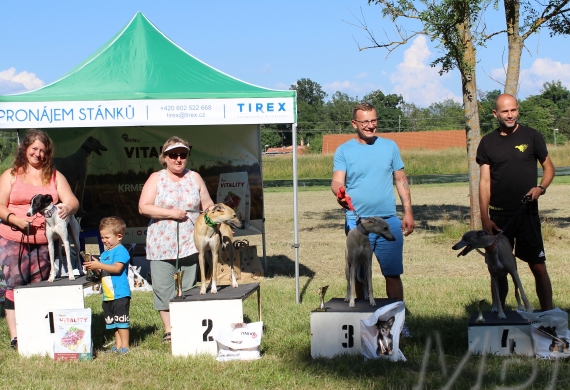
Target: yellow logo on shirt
[(522, 147)]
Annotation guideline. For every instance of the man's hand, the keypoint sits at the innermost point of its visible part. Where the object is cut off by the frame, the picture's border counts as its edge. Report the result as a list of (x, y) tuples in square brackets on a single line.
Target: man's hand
[(408, 224), (489, 225), (534, 193), (344, 199)]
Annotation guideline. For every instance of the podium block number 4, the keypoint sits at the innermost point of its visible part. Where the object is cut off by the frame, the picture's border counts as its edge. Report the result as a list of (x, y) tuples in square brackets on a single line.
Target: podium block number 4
[(348, 335), (210, 324)]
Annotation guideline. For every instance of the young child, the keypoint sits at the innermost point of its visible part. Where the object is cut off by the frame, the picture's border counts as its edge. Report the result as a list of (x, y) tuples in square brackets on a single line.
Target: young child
[(113, 267)]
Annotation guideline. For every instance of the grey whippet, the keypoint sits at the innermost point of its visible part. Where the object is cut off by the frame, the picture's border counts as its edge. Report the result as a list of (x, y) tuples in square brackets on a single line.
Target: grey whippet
[(500, 262), (359, 251)]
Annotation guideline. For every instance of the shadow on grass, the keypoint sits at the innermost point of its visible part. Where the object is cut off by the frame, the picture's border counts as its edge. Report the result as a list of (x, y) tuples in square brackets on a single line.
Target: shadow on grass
[(281, 265)]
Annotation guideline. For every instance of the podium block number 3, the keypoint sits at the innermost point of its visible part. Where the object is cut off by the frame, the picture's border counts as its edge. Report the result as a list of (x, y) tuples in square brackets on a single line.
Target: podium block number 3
[(209, 323), (348, 335)]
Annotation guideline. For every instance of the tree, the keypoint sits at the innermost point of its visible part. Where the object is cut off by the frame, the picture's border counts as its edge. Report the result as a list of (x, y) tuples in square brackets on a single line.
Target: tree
[(552, 14), (310, 107), (486, 107), (446, 115), (339, 112), (453, 23), (538, 112)]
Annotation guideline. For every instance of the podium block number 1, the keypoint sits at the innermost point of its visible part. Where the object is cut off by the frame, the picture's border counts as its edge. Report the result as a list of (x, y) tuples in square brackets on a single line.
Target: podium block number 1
[(210, 324)]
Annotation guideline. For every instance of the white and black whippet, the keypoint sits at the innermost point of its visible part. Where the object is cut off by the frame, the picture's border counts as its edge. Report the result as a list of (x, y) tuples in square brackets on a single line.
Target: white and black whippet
[(56, 227)]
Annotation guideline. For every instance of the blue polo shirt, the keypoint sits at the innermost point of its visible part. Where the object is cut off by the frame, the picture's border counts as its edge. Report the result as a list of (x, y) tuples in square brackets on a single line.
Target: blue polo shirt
[(370, 175)]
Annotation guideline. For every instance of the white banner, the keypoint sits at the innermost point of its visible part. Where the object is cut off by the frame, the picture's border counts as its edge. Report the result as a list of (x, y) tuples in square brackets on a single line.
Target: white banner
[(147, 112)]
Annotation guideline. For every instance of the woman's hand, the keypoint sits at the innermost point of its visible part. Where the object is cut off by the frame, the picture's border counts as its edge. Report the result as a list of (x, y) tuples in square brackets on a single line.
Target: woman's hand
[(178, 215), (63, 210)]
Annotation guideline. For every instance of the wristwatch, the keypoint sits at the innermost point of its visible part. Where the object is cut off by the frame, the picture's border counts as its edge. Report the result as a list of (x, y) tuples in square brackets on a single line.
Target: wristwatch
[(542, 190)]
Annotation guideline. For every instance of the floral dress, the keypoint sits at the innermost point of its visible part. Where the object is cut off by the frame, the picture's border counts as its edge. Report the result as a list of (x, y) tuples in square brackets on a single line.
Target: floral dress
[(161, 241)]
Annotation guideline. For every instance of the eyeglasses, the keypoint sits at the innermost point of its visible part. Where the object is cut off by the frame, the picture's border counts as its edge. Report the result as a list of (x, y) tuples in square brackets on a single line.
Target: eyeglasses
[(174, 156), (366, 123)]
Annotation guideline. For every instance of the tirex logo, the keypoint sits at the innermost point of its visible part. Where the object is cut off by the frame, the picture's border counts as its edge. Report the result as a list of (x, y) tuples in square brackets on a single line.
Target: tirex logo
[(261, 107)]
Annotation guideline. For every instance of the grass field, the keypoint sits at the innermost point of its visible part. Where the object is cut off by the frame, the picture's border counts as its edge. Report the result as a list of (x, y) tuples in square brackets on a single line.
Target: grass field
[(441, 291)]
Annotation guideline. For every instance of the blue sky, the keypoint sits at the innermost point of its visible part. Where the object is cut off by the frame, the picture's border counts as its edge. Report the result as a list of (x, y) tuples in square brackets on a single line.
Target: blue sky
[(267, 43)]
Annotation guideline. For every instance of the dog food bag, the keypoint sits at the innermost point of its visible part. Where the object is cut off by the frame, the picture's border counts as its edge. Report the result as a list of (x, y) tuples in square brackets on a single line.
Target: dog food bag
[(72, 334), (233, 191), (380, 333), (238, 341), (549, 333)]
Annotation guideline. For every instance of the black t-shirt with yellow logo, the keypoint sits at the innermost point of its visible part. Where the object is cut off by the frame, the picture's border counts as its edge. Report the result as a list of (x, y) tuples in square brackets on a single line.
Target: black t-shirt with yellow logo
[(513, 163)]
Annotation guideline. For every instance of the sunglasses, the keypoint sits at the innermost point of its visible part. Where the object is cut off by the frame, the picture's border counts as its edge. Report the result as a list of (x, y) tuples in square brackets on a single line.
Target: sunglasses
[(174, 156)]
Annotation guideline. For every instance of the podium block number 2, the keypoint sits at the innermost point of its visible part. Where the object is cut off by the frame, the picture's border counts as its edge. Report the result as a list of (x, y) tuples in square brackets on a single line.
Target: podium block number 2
[(206, 336), (348, 335)]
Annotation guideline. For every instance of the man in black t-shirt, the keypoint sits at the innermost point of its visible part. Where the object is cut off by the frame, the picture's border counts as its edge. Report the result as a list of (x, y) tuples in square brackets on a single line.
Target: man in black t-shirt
[(507, 159)]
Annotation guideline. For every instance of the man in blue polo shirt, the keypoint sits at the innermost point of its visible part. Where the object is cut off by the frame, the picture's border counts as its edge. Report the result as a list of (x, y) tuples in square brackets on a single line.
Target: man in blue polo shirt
[(367, 167)]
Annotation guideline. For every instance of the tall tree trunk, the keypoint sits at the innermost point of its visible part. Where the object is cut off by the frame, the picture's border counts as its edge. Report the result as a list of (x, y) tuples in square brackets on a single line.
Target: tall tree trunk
[(515, 44), (472, 128)]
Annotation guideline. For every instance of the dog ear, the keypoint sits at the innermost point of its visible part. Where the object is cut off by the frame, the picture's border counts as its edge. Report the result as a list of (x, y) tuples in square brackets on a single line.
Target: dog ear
[(48, 197), (482, 233), (216, 208), (391, 321)]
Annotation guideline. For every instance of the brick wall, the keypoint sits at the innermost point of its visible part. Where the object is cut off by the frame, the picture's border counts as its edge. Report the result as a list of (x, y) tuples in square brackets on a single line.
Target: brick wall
[(408, 140)]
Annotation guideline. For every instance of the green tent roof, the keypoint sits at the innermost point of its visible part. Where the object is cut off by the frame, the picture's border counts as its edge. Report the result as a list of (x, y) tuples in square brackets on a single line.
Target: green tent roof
[(140, 62)]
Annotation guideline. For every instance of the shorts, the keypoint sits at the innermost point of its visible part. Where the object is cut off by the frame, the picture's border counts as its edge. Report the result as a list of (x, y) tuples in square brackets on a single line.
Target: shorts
[(21, 268), (388, 253), (163, 284), (524, 234), (116, 313)]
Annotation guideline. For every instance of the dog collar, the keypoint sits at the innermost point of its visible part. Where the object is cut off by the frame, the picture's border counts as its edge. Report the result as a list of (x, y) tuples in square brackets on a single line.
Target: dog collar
[(208, 221), (49, 213), (361, 228)]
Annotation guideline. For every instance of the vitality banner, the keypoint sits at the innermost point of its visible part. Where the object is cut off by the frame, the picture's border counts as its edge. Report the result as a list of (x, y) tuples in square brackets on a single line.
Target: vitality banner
[(107, 167)]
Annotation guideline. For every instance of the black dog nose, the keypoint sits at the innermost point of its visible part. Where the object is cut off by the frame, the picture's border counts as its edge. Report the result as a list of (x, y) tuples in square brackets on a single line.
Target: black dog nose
[(29, 214)]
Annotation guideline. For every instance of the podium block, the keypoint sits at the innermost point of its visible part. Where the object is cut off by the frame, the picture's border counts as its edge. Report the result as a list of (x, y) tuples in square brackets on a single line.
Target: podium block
[(35, 304), (337, 330), (500, 337), (194, 319)]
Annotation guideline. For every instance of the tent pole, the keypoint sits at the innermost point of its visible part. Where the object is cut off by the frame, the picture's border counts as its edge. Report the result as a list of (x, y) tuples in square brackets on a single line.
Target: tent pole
[(295, 211), (259, 153)]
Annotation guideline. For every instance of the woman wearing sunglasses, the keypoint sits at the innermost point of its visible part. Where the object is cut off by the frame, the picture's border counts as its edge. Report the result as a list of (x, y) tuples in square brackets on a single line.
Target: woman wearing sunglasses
[(173, 198)]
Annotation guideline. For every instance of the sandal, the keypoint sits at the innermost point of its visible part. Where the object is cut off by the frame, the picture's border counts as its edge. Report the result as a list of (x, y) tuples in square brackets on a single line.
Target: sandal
[(166, 337)]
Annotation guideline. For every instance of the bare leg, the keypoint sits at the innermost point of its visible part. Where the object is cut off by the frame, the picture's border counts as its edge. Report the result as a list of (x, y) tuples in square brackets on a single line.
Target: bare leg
[(11, 321), (165, 317), (543, 285), (394, 287), (122, 337)]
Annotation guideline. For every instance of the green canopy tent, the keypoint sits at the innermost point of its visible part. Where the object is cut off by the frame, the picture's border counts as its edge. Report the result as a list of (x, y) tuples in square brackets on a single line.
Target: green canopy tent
[(128, 96)]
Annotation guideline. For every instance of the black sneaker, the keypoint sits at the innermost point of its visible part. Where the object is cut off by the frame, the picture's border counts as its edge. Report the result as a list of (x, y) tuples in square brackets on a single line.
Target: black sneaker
[(405, 331), (14, 343)]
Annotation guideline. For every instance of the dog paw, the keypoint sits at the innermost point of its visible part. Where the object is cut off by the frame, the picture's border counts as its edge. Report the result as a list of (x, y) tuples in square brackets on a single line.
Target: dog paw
[(71, 277), (372, 302), (50, 280), (351, 304), (235, 285), (202, 291), (502, 316)]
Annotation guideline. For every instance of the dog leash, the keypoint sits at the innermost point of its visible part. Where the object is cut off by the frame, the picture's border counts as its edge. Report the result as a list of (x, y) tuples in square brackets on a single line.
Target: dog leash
[(524, 202)]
